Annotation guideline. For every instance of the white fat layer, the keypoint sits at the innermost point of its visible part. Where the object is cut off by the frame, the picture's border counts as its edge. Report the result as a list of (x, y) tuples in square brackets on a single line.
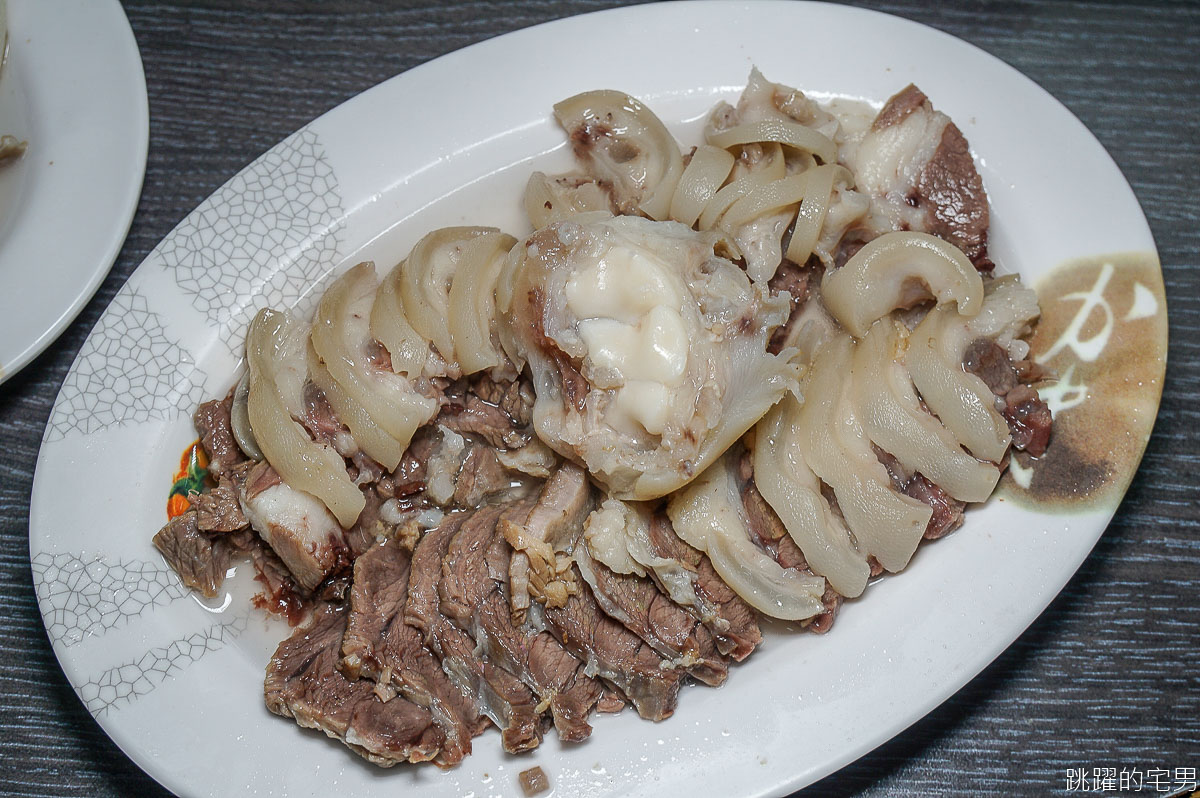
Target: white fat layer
[(281, 510)]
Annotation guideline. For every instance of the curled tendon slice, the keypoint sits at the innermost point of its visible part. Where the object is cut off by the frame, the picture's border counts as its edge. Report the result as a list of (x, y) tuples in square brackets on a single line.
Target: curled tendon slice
[(786, 481), (409, 351), (473, 302), (552, 199), (341, 339), (425, 279), (626, 146), (704, 175), (709, 515), (893, 419), (898, 270), (885, 523), (274, 343), (790, 134), (963, 401)]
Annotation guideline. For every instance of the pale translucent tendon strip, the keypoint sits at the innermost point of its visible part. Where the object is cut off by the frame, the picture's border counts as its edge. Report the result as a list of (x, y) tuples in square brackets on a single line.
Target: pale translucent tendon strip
[(791, 134), (425, 280), (791, 488), (898, 270), (473, 301), (301, 462), (810, 219), (629, 145), (380, 446), (892, 416), (340, 336), (771, 168), (701, 180), (408, 349)]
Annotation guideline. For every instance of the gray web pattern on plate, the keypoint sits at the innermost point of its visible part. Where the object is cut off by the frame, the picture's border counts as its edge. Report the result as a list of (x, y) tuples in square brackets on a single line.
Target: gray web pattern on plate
[(86, 597), (116, 687), (261, 240), (128, 371)]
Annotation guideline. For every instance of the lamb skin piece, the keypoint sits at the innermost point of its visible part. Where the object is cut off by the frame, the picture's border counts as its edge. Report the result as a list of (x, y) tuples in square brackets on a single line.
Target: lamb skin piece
[(304, 683)]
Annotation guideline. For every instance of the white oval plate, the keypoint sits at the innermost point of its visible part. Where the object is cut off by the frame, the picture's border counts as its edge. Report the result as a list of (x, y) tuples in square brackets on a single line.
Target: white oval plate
[(178, 684), (73, 88)]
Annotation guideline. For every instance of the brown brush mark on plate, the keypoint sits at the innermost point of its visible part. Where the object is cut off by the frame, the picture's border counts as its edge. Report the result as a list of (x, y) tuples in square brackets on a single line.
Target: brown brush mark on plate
[(1103, 331)]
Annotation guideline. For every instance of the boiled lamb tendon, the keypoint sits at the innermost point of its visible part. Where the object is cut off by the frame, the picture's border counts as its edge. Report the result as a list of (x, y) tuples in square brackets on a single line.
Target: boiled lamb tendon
[(276, 363), (648, 352), (552, 199), (784, 478), (893, 419), (369, 399), (963, 401), (625, 146), (709, 515), (900, 270), (884, 523)]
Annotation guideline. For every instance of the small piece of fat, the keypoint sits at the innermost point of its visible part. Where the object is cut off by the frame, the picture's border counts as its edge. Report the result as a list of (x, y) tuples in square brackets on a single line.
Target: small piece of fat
[(623, 285)]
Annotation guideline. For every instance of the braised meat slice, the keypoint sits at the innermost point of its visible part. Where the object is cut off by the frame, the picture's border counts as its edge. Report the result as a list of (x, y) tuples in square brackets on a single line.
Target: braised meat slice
[(731, 620), (473, 595), (643, 609), (295, 524), (219, 510), (212, 420), (616, 654), (378, 644), (303, 683), (1028, 417), (504, 698), (201, 560)]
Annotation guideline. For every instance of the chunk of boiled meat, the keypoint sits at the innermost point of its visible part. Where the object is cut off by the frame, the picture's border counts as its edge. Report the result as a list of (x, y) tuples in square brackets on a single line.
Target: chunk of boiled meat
[(473, 595), (304, 683), (504, 698), (378, 644)]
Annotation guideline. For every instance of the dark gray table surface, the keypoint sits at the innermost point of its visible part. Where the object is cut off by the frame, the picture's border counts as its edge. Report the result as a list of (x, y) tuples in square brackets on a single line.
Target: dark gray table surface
[(1106, 677)]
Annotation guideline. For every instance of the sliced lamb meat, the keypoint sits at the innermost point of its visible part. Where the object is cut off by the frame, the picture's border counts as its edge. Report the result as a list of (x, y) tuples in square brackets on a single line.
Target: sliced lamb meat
[(616, 654), (280, 595), (303, 683), (216, 436), (514, 398), (1029, 419), (218, 510), (378, 644), (915, 166), (731, 620), (610, 702), (481, 475), (201, 560), (296, 525), (670, 630), (537, 537), (792, 280), (473, 595), (503, 697), (467, 413), (947, 511)]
